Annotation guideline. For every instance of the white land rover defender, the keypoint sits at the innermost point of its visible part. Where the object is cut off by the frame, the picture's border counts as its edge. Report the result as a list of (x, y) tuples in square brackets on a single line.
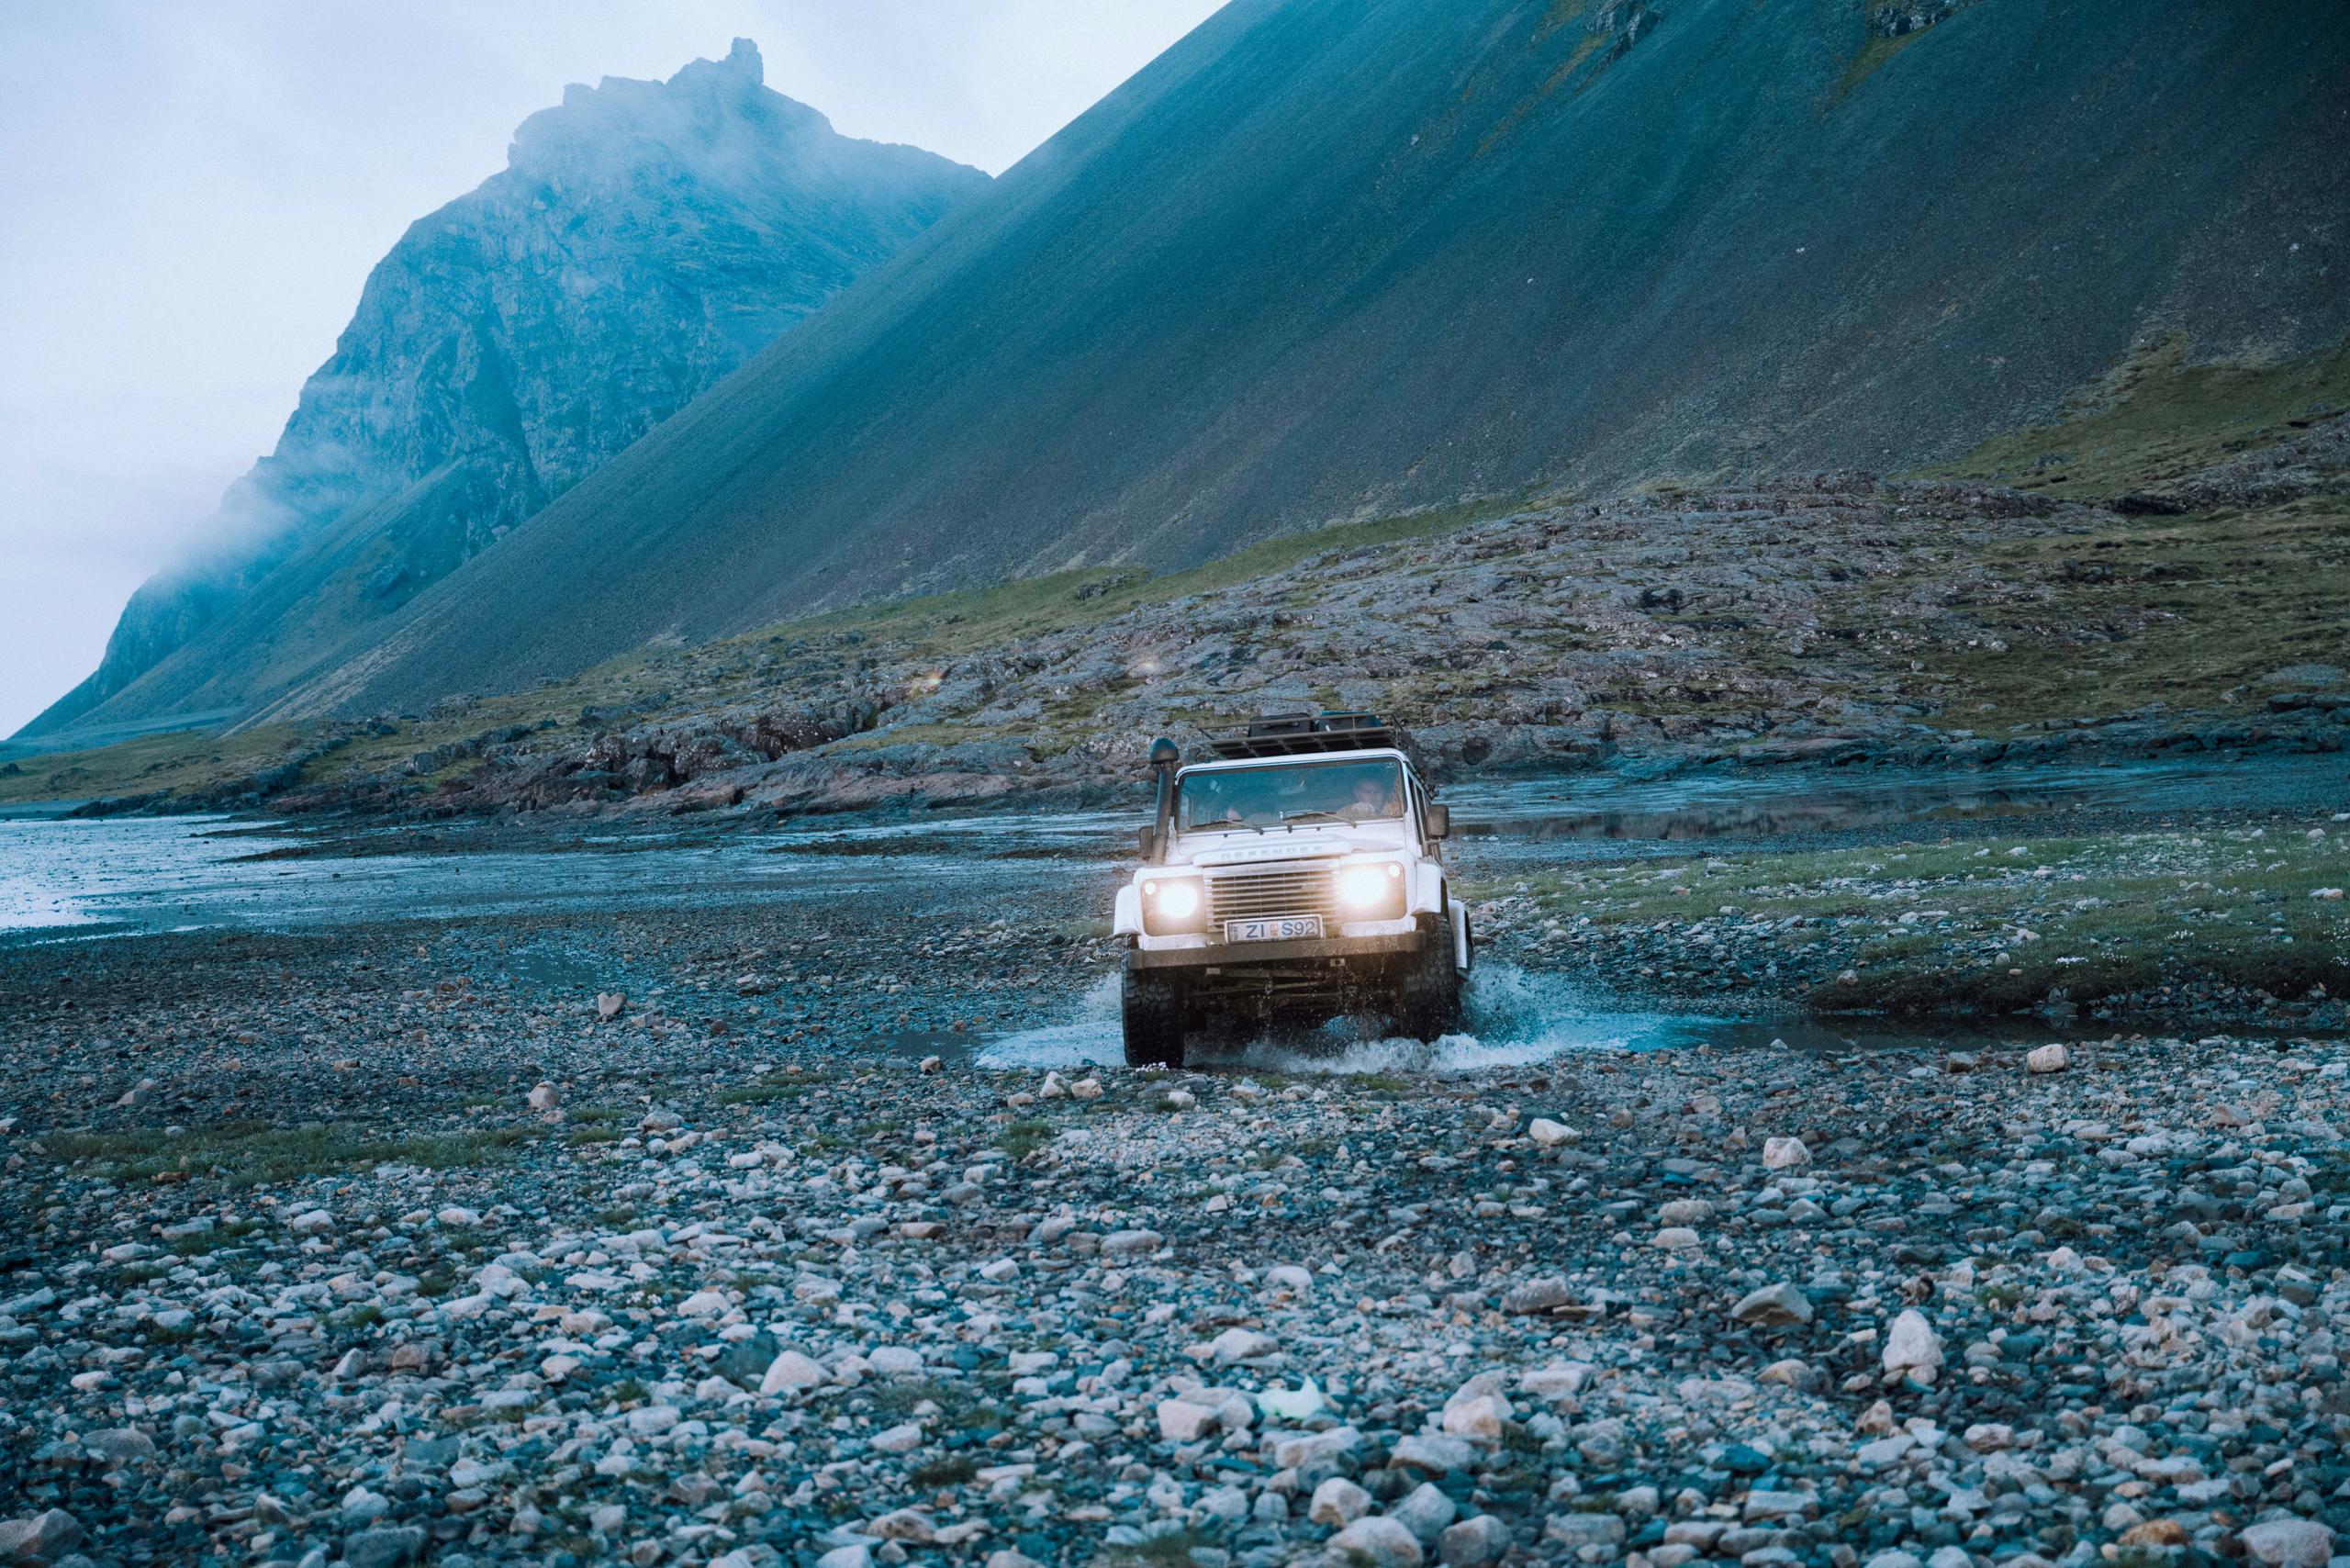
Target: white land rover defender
[(1301, 871)]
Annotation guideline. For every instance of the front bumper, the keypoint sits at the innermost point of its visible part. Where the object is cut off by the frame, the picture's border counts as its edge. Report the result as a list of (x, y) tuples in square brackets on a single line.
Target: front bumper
[(1312, 952)]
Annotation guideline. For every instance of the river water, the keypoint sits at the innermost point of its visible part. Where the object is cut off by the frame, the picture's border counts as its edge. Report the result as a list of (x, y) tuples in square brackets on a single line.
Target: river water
[(67, 881)]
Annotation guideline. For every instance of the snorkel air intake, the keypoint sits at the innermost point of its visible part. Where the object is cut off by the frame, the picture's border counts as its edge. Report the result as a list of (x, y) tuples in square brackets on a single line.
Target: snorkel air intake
[(1163, 759)]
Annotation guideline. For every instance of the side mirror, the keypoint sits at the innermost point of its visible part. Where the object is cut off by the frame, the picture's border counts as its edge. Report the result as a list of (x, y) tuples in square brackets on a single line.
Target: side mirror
[(1149, 843), (1439, 822)]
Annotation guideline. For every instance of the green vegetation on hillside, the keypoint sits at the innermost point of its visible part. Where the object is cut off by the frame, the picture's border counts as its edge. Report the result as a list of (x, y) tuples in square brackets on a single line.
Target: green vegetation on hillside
[(2157, 417), (977, 618)]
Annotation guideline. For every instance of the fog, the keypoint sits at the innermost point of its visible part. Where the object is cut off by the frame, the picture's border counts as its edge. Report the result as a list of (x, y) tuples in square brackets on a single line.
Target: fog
[(192, 195)]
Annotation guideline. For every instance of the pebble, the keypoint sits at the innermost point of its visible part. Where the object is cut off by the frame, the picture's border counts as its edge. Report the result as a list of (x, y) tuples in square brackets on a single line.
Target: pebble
[(1337, 1502), (2290, 1543), (1472, 1542), (1772, 1306)]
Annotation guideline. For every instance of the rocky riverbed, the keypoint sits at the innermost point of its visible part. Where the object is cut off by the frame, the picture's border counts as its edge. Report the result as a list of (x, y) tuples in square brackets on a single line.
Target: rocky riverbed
[(1771, 1308), (491, 1194)]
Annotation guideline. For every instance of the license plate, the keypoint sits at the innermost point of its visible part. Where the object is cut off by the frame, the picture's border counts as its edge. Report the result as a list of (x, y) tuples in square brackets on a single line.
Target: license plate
[(1286, 930)]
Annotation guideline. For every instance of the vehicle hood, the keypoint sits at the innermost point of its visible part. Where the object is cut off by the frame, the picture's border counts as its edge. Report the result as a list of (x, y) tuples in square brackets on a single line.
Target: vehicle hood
[(1321, 841)]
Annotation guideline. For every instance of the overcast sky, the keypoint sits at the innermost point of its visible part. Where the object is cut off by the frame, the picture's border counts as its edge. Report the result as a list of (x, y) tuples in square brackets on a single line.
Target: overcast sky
[(191, 192)]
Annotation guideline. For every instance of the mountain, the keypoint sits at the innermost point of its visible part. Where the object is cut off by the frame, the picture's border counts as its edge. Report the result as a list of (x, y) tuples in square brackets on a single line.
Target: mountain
[(643, 240), (1328, 258)]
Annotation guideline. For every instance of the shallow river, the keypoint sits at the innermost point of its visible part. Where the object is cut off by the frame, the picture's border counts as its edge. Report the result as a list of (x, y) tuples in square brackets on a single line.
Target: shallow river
[(63, 880)]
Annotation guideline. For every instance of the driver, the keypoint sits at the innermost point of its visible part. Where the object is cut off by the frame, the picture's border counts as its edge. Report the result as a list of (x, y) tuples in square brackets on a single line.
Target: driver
[(1372, 800)]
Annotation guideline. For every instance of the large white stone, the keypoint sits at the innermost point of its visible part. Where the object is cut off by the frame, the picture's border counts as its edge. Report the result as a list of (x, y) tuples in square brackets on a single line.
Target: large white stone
[(1180, 1421), (789, 1370), (1911, 1345)]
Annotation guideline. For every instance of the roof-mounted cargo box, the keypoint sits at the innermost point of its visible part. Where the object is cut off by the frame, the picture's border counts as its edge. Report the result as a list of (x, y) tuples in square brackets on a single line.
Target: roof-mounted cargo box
[(1301, 734)]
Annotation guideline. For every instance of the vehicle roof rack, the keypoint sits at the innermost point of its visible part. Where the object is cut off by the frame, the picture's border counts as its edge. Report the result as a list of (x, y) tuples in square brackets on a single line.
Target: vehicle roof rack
[(1301, 734)]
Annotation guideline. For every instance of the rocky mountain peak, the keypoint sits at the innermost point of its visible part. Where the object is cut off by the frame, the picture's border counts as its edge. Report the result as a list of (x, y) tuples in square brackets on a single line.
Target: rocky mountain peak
[(644, 239), (708, 104)]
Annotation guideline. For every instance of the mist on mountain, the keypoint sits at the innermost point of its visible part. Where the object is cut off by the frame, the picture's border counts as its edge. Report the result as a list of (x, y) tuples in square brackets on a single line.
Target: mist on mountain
[(644, 239)]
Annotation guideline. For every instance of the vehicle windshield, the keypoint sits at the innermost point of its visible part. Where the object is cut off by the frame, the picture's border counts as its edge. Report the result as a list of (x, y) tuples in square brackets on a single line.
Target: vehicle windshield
[(1274, 796)]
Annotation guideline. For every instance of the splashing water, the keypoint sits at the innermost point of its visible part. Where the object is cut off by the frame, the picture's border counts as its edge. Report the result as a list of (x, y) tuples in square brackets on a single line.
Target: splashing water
[(1512, 1017)]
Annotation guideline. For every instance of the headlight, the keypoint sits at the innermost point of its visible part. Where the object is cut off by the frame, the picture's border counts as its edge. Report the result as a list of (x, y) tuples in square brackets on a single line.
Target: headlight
[(1374, 891), (1172, 906), (1177, 900)]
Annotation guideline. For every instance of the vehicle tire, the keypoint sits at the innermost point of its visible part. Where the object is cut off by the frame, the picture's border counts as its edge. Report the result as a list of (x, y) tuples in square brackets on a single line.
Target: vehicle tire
[(1154, 1011), (1427, 992)]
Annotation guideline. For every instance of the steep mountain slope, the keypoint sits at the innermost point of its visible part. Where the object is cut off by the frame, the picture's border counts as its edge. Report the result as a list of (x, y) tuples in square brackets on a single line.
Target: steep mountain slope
[(1328, 256), (644, 239)]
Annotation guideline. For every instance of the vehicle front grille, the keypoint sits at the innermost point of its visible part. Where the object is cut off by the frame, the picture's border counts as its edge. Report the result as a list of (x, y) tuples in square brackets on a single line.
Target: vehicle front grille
[(1273, 892)]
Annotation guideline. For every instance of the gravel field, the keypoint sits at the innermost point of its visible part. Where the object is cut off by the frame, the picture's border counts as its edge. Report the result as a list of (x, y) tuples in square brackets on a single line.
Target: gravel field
[(704, 1235)]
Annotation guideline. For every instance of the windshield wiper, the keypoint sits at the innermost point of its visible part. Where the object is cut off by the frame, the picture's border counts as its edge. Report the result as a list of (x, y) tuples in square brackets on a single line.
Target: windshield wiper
[(1309, 816)]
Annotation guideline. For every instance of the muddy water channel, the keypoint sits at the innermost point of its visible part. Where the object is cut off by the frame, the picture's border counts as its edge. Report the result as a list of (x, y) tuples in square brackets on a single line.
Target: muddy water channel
[(64, 883)]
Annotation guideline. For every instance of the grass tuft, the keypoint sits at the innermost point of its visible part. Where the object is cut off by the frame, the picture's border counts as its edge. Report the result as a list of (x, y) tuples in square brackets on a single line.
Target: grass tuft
[(247, 1154)]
